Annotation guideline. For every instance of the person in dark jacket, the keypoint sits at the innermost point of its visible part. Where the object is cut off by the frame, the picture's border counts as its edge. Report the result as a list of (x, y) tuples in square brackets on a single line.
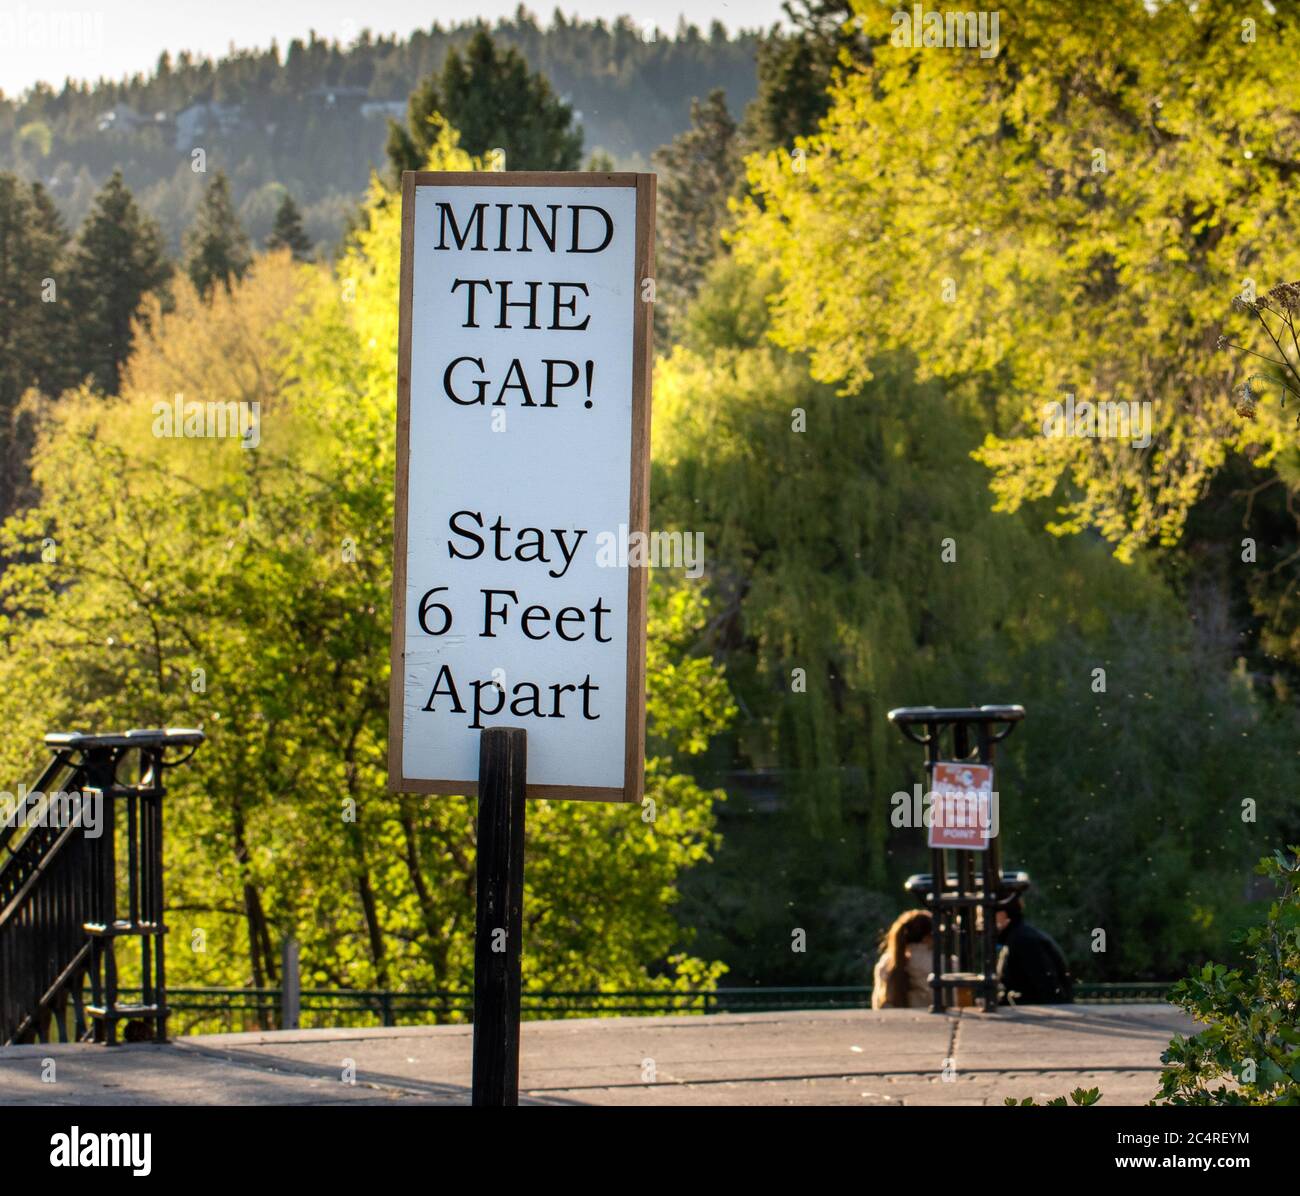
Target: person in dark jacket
[(1031, 968)]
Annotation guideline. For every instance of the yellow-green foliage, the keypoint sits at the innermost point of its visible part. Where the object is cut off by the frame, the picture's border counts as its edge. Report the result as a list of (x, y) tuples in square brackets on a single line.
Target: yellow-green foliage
[(1094, 196)]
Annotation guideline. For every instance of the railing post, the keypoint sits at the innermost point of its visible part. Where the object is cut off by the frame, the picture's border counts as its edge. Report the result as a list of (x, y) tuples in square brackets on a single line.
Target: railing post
[(108, 913), (290, 984), (156, 906)]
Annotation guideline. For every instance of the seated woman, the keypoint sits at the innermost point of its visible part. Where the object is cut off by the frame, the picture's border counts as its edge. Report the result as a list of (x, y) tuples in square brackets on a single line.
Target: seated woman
[(902, 974)]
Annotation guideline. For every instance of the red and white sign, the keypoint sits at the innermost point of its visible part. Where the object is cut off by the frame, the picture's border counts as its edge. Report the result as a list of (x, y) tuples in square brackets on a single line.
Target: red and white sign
[(961, 814)]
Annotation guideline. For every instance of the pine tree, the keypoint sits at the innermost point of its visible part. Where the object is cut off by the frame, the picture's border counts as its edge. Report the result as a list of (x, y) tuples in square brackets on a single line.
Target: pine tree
[(32, 307), (697, 173), (53, 367), (288, 232), (33, 317), (492, 99), (216, 247), (795, 69), (118, 259)]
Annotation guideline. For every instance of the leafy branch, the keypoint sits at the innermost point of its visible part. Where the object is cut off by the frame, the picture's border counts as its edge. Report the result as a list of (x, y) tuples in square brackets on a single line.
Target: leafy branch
[(1248, 1051), (1282, 302)]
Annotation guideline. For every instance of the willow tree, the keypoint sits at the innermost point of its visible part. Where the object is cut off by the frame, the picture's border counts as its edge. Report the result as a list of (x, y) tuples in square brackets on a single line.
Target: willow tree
[(855, 565)]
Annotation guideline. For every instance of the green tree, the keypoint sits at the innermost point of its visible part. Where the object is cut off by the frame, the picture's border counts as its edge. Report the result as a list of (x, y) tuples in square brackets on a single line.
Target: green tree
[(118, 259), (288, 232), (1067, 222), (216, 247), (33, 291), (33, 319), (492, 99), (698, 173)]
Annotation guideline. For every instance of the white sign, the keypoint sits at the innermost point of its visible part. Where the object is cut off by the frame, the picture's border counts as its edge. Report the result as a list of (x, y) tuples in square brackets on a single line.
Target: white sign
[(963, 812), (523, 439)]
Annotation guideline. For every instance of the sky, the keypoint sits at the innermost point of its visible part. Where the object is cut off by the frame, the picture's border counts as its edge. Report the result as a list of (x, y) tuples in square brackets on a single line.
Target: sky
[(50, 40)]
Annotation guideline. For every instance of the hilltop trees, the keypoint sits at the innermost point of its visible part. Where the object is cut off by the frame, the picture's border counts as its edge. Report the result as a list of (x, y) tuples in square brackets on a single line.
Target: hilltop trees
[(310, 115), (489, 96)]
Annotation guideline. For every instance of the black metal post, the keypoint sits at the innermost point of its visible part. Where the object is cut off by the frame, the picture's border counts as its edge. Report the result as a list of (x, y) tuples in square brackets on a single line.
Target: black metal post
[(499, 925), (990, 886), (108, 911), (939, 873), (156, 863), (290, 984)]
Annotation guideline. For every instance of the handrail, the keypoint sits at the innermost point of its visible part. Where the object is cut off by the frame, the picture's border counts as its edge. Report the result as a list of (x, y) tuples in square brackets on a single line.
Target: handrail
[(237, 1008), (956, 714), (9, 827)]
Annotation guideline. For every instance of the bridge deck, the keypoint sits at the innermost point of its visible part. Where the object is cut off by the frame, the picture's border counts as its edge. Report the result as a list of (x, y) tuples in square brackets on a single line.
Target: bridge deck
[(813, 1058)]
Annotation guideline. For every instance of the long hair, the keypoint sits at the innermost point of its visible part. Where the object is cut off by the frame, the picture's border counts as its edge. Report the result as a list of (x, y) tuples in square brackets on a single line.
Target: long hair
[(908, 929)]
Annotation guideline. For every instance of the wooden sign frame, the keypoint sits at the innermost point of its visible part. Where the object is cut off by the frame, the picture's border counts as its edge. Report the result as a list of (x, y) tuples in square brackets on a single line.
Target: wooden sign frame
[(639, 475)]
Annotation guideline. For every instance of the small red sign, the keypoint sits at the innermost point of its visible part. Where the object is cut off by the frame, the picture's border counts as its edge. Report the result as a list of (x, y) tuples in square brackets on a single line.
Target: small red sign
[(961, 814)]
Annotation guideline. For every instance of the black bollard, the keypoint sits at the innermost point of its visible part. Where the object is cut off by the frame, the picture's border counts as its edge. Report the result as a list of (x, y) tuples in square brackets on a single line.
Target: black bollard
[(499, 924)]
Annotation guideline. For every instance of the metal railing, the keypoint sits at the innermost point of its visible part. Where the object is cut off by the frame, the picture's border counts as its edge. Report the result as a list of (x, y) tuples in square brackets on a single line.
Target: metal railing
[(212, 1010), (80, 869)]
